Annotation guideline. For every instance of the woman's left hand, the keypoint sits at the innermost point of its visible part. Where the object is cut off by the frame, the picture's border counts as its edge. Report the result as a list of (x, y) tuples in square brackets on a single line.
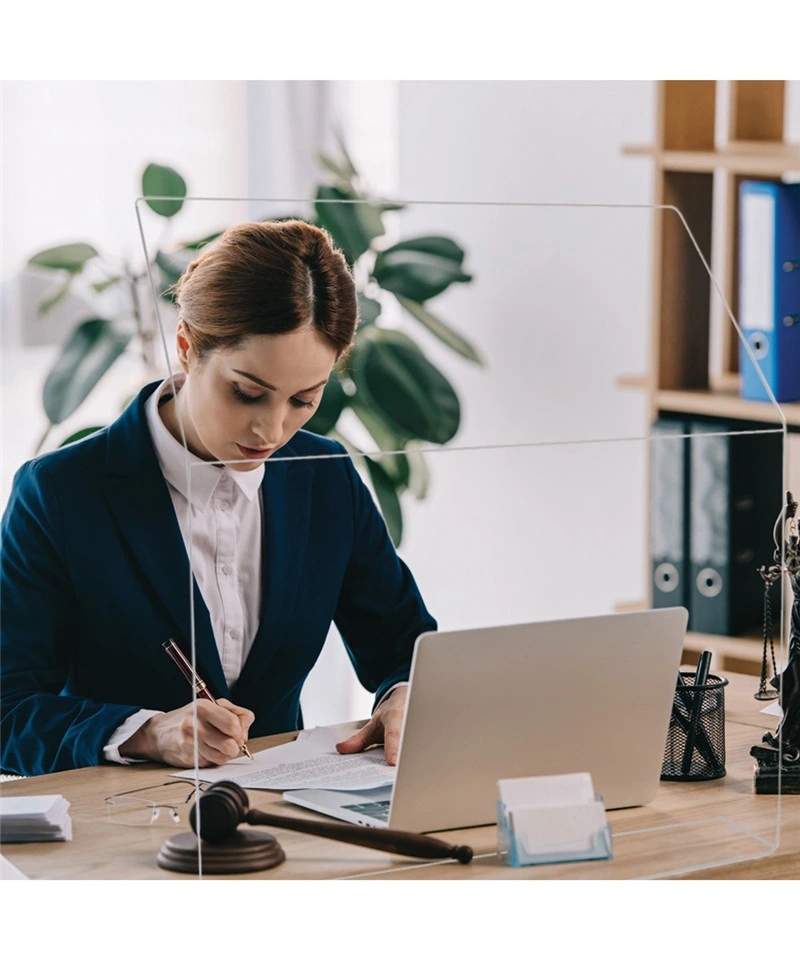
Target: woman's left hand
[(383, 727)]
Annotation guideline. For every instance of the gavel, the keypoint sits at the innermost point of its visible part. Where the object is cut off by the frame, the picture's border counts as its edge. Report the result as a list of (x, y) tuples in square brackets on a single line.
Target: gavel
[(224, 806)]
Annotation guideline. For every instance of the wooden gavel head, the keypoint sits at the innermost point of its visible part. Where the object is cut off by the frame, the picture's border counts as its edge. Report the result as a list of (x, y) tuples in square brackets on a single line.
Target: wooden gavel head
[(223, 807)]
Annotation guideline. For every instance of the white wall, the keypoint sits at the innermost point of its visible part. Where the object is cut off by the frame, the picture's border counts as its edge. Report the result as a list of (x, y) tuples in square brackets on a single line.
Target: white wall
[(560, 307)]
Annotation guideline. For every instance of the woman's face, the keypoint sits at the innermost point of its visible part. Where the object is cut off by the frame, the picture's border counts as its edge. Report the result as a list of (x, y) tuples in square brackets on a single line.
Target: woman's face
[(246, 402)]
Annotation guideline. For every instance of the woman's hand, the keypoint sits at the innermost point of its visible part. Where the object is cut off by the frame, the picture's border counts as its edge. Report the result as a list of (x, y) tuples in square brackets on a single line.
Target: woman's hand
[(169, 737), (384, 727)]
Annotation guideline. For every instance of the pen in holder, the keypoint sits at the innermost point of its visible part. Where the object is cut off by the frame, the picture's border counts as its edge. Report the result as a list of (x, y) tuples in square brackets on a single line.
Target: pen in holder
[(695, 748)]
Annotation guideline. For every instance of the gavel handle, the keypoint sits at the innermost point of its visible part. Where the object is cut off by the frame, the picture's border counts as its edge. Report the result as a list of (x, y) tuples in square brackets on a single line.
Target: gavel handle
[(393, 841)]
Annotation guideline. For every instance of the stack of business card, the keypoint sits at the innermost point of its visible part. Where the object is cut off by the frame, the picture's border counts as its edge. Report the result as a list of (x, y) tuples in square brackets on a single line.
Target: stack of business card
[(34, 819)]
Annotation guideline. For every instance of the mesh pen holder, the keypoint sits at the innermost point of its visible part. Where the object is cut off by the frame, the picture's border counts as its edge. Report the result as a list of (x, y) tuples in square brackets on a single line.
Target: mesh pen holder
[(695, 748)]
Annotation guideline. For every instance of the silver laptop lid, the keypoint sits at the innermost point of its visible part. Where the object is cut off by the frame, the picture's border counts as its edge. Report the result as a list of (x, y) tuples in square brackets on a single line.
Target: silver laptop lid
[(593, 693)]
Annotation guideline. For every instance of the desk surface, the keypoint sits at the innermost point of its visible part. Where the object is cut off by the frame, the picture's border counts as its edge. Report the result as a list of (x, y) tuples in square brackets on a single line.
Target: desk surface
[(687, 826)]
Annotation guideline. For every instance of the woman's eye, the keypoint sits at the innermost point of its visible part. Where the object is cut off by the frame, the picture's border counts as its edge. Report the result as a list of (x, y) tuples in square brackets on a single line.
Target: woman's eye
[(306, 404), (243, 397)]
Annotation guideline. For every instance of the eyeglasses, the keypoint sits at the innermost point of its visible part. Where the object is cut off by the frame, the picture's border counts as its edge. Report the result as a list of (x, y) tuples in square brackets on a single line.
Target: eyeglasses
[(142, 807)]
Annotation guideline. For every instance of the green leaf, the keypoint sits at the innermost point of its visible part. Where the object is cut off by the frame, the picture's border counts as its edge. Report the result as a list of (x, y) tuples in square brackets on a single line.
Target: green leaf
[(202, 242), (79, 435), (158, 181), (388, 500), (404, 388), (173, 265), (338, 170), (70, 256), (91, 349), (419, 269), (103, 285), (420, 478), (396, 465), (349, 166), (57, 297), (368, 310), (441, 330), (353, 226), (437, 246), (333, 401)]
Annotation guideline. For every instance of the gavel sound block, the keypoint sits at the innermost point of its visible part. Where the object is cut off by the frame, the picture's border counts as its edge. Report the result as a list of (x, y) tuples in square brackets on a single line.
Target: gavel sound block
[(226, 849)]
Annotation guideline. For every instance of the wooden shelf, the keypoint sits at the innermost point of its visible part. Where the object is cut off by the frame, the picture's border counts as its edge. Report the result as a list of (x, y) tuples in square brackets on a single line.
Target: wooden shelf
[(724, 403), (747, 158), (740, 648), (722, 400)]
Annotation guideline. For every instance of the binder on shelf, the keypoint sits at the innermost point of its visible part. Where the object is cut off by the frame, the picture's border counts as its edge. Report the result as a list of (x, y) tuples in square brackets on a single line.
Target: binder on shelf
[(669, 512), (769, 288), (736, 493)]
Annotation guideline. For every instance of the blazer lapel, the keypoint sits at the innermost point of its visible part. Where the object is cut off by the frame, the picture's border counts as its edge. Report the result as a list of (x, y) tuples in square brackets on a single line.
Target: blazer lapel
[(139, 500), (286, 508)]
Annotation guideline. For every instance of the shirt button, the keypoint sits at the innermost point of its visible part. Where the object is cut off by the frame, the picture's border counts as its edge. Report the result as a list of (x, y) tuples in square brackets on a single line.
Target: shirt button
[(223, 504), (235, 634), (226, 570)]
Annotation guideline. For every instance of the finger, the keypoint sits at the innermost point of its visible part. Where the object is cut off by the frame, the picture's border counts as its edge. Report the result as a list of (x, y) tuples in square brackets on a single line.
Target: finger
[(370, 733), (214, 745), (245, 716), (182, 754), (391, 744), (220, 717)]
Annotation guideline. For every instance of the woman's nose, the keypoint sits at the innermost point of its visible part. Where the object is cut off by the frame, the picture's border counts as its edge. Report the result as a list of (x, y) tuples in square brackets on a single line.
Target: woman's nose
[(268, 427)]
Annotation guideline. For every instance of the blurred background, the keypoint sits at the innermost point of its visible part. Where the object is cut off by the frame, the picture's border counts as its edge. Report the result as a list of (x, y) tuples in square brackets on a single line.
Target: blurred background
[(555, 304)]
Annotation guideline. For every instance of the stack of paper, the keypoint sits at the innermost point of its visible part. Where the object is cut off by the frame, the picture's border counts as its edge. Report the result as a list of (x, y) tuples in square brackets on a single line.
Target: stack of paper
[(34, 819), (310, 761)]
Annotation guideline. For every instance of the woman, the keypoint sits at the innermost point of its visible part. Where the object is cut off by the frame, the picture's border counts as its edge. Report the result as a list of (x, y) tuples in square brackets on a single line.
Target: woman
[(94, 564)]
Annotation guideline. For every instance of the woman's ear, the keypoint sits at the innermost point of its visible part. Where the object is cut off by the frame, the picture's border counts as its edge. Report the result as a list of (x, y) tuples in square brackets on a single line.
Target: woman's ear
[(184, 346)]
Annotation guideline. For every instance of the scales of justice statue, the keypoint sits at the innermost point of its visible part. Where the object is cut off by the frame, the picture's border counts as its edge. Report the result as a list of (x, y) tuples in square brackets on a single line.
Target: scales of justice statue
[(778, 755)]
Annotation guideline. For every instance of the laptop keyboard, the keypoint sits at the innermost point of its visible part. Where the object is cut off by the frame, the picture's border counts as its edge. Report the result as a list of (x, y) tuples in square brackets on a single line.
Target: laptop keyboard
[(379, 809)]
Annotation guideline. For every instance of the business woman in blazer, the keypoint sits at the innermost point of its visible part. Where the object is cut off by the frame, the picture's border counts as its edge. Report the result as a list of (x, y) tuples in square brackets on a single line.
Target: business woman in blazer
[(95, 570)]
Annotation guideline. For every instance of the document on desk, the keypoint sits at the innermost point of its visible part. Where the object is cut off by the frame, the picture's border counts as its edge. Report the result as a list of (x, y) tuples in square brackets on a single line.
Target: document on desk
[(310, 761)]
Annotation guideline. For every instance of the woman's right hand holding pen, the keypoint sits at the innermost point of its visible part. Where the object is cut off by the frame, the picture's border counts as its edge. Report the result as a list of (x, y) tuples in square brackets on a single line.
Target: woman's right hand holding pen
[(222, 728)]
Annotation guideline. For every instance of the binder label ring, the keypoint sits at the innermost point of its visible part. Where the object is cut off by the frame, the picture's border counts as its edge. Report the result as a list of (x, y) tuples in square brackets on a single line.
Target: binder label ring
[(709, 582), (759, 345), (666, 577)]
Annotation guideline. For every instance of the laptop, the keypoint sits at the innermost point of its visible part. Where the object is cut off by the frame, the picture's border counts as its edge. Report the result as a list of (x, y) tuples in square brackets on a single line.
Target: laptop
[(563, 696)]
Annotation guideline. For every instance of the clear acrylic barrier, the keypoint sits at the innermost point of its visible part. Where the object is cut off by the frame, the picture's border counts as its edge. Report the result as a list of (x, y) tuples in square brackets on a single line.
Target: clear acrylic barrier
[(560, 494)]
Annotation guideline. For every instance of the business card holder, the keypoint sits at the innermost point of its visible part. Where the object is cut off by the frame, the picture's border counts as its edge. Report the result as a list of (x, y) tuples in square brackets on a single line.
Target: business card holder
[(528, 836)]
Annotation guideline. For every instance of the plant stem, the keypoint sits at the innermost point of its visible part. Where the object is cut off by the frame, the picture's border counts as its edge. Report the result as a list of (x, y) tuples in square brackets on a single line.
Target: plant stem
[(44, 437), (145, 339)]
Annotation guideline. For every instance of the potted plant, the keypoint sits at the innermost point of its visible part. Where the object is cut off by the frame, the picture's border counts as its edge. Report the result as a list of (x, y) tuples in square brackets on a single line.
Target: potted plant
[(399, 396)]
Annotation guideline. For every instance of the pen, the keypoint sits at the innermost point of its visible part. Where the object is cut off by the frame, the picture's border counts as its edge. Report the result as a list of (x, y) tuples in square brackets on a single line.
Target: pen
[(683, 720), (700, 679), (175, 653)]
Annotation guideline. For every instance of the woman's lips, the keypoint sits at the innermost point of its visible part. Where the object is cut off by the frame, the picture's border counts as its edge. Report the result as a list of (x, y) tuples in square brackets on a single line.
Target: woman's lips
[(253, 453)]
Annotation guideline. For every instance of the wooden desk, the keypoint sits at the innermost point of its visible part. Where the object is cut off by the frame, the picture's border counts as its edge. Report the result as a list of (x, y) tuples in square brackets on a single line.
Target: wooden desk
[(687, 826)]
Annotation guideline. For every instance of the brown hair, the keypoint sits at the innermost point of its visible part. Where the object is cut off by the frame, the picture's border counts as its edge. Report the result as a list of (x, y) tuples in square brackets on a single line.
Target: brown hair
[(269, 277)]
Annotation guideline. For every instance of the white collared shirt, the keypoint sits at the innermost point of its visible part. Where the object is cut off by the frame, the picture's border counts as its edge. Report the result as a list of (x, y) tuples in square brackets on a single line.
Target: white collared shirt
[(224, 509)]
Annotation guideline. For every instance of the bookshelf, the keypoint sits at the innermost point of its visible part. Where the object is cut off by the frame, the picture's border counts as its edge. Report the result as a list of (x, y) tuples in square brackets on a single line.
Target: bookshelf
[(699, 172)]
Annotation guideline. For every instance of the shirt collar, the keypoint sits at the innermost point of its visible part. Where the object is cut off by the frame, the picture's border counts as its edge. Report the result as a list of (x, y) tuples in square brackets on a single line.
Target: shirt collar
[(172, 455)]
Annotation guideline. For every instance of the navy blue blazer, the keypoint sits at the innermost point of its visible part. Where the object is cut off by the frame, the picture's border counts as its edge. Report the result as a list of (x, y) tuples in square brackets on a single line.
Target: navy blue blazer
[(94, 577)]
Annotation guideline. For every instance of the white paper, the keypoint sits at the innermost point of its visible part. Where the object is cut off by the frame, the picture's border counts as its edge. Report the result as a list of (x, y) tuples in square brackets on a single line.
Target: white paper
[(554, 791), (310, 761), (550, 830), (34, 819), (9, 872), (773, 709)]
